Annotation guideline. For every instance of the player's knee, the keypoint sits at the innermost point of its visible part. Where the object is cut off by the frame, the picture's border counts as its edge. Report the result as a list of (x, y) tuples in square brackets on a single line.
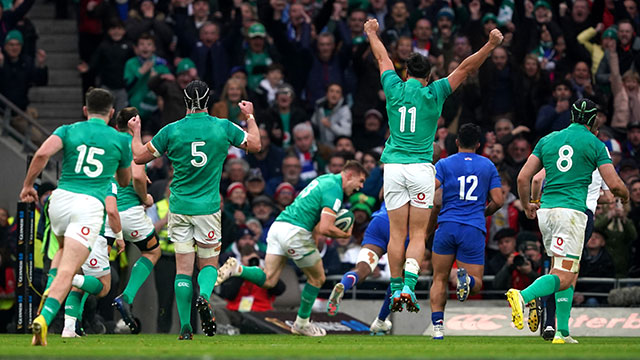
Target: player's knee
[(317, 280), (106, 287), (153, 255), (270, 283), (478, 286)]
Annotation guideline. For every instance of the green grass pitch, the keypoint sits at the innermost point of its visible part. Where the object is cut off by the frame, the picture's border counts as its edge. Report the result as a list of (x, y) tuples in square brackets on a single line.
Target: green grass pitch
[(285, 346)]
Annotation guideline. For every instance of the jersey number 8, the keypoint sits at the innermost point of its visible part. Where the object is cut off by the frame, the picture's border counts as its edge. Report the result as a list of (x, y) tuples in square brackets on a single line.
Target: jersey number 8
[(564, 162), (93, 151)]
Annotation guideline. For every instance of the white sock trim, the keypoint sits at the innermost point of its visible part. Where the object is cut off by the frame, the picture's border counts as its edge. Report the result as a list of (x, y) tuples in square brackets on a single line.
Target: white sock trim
[(302, 322)]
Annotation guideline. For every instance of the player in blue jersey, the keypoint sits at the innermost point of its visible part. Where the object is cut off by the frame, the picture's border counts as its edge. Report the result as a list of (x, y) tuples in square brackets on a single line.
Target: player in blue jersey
[(466, 181), (374, 246)]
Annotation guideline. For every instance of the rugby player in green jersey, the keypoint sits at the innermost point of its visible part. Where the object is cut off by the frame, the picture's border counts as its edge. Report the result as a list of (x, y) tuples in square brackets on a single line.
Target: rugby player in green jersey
[(197, 146), (569, 158), (92, 153), (413, 108), (291, 237)]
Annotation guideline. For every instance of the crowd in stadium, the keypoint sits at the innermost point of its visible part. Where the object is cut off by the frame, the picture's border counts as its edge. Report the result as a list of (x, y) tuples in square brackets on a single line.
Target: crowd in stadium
[(308, 69)]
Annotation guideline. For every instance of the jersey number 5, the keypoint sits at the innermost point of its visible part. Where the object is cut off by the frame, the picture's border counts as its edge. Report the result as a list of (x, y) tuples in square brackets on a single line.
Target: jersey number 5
[(196, 153), (469, 194), (93, 151), (403, 114)]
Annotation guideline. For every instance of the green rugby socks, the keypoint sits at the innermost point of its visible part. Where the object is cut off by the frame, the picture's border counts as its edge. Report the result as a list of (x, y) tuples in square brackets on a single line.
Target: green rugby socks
[(184, 292), (139, 273), (543, 286), (308, 297), (564, 302), (206, 280), (253, 274)]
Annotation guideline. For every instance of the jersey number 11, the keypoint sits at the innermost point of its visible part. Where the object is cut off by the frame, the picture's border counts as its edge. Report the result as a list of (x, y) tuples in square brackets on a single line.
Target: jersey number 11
[(403, 114)]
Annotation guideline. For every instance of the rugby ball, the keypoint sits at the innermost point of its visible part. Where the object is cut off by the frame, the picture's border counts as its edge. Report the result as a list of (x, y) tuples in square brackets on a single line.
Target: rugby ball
[(344, 220)]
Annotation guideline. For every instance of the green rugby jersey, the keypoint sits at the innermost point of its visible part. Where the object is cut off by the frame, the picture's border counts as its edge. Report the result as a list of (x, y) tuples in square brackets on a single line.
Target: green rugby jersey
[(197, 145), (569, 158), (324, 191), (93, 152), (413, 112)]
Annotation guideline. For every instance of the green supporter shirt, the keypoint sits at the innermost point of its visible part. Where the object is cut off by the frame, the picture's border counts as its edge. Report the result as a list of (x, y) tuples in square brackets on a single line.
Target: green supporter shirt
[(413, 112), (569, 158), (197, 145), (139, 94), (127, 196), (323, 192), (93, 152)]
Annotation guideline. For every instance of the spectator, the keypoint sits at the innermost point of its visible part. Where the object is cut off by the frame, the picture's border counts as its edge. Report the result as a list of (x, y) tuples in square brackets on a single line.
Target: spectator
[(228, 108), (581, 83), (89, 34), (211, 58), (628, 170), (9, 18), (373, 135), (229, 227), (400, 55), (18, 72), (505, 218), (520, 269), (336, 163), (108, 63), (187, 27), (620, 233), (245, 240), (306, 149), (626, 95), (137, 72), (263, 209), (254, 183), (344, 144), (555, 115), (332, 116), (266, 90), (609, 39), (532, 85), (281, 118), (398, 24), (7, 290), (146, 20), (378, 10), (628, 50), (327, 66), (631, 146), (171, 90), (268, 159), (291, 170), (373, 185), (257, 56), (284, 196), (422, 42), (506, 239), (497, 84), (518, 152), (362, 208), (595, 262), (236, 170), (236, 205)]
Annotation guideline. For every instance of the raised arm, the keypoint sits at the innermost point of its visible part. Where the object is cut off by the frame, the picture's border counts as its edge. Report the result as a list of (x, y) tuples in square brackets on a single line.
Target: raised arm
[(142, 154), (50, 147), (473, 62), (253, 143), (377, 47), (530, 168)]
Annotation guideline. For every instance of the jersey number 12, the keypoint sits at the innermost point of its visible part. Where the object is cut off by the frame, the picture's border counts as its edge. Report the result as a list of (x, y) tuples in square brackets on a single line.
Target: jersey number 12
[(469, 194), (403, 114)]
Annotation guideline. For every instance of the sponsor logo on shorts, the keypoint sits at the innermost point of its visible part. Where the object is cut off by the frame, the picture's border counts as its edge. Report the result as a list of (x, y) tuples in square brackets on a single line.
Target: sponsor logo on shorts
[(559, 243), (93, 262), (85, 231), (211, 234), (421, 196), (291, 251), (134, 233)]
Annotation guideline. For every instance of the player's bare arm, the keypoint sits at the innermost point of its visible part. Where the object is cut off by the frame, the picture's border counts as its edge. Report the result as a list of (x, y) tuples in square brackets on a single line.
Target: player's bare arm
[(497, 200), (113, 216), (140, 184), (613, 181), (606, 197), (253, 143), (377, 47), (536, 184), (473, 62), (327, 226), (50, 147), (437, 206), (142, 154), (531, 167)]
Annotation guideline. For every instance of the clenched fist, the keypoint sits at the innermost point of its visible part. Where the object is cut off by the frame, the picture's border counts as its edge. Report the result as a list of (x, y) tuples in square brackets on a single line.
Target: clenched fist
[(371, 26), (495, 38)]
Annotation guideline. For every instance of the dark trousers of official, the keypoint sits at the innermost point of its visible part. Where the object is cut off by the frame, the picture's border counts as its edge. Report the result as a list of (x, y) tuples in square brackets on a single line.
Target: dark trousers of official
[(165, 274)]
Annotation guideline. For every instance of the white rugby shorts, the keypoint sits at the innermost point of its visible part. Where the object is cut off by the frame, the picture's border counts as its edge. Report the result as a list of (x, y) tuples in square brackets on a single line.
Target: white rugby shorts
[(205, 229), (409, 183), (136, 225), (294, 242), (76, 216), (97, 264), (562, 231)]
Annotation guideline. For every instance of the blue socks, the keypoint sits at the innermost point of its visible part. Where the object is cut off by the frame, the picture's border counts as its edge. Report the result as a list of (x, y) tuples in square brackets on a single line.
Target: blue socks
[(384, 310), (349, 280), (472, 283), (437, 318)]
